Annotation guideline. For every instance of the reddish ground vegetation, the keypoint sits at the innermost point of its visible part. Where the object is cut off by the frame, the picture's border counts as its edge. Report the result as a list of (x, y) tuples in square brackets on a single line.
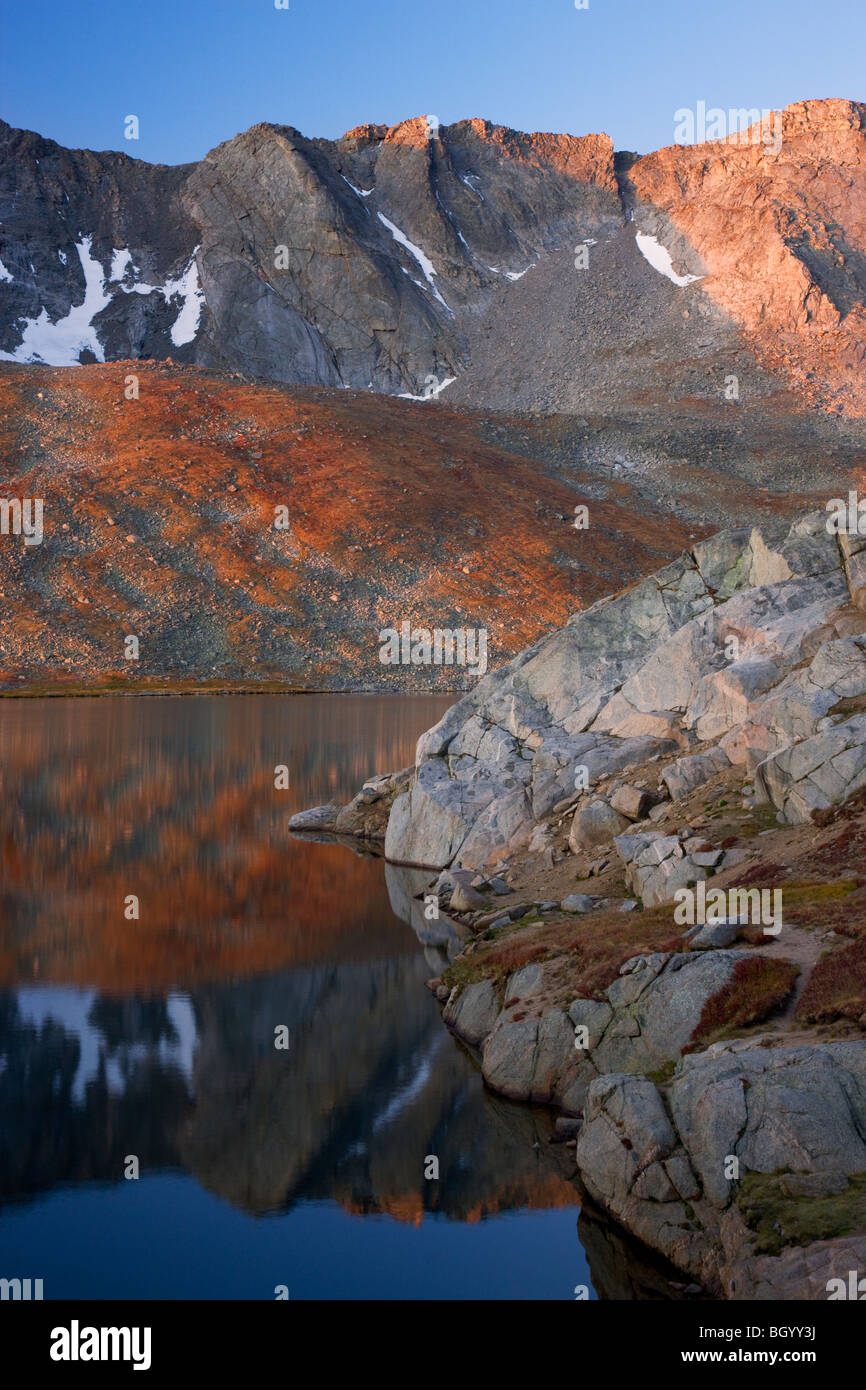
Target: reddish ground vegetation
[(582, 956), (844, 914), (767, 873), (160, 522), (755, 989), (837, 987), (846, 850)]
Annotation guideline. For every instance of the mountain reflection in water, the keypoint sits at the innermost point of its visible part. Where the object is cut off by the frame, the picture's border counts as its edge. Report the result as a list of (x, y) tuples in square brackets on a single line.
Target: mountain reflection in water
[(155, 1037)]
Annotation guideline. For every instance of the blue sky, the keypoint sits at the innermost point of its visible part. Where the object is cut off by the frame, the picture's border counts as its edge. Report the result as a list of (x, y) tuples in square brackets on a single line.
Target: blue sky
[(196, 72)]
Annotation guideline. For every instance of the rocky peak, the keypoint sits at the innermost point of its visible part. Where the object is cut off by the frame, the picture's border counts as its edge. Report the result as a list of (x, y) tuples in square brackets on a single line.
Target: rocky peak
[(420, 258)]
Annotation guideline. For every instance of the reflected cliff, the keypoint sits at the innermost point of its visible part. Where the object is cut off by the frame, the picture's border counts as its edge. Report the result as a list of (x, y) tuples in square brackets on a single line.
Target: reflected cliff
[(156, 1037), (371, 1083)]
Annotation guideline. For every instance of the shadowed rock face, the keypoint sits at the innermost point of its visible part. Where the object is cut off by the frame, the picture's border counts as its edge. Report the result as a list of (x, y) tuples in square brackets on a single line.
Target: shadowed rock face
[(53, 201), (336, 263), (398, 259)]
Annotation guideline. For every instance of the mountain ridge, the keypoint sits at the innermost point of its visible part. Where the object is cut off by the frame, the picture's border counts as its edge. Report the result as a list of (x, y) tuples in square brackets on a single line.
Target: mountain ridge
[(408, 250)]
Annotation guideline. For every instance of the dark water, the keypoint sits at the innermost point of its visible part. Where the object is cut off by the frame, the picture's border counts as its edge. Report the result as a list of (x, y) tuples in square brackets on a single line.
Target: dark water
[(153, 1038)]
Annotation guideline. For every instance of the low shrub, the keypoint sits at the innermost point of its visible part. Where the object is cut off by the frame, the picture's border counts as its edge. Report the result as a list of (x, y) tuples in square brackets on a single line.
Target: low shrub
[(837, 986), (755, 989)]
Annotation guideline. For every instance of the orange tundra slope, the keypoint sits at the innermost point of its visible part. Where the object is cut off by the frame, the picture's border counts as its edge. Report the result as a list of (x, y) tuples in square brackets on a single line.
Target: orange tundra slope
[(159, 522)]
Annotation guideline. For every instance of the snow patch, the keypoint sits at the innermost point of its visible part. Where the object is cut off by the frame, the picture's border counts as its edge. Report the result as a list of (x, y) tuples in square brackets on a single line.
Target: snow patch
[(4, 273), (60, 344), (361, 192), (509, 274), (185, 326), (70, 1010), (471, 180), (660, 259), (427, 267), (119, 262), (433, 388)]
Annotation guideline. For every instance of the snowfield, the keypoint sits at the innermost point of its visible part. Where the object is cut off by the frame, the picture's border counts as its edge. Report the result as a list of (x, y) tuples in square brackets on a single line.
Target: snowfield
[(60, 344), (659, 258)]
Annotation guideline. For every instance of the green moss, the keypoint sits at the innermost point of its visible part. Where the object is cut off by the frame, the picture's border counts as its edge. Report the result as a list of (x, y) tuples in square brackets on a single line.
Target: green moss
[(779, 1220), (804, 892), (663, 1074), (465, 970), (761, 818)]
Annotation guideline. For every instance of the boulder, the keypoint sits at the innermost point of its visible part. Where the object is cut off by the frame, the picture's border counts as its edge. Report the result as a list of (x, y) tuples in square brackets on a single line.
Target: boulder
[(592, 1014), (473, 1012), (631, 802), (595, 824), (854, 552), (465, 898), (713, 935), (508, 1060), (567, 713), (683, 776), (629, 1158), (797, 1111), (428, 823), (660, 869), (578, 902), (796, 1108), (816, 773), (631, 845), (317, 818), (666, 996)]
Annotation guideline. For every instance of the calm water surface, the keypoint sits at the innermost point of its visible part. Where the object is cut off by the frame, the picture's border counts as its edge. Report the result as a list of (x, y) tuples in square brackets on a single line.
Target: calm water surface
[(154, 1037)]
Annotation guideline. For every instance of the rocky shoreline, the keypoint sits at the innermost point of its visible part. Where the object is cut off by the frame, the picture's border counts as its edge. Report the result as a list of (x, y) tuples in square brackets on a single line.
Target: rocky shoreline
[(696, 742)]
